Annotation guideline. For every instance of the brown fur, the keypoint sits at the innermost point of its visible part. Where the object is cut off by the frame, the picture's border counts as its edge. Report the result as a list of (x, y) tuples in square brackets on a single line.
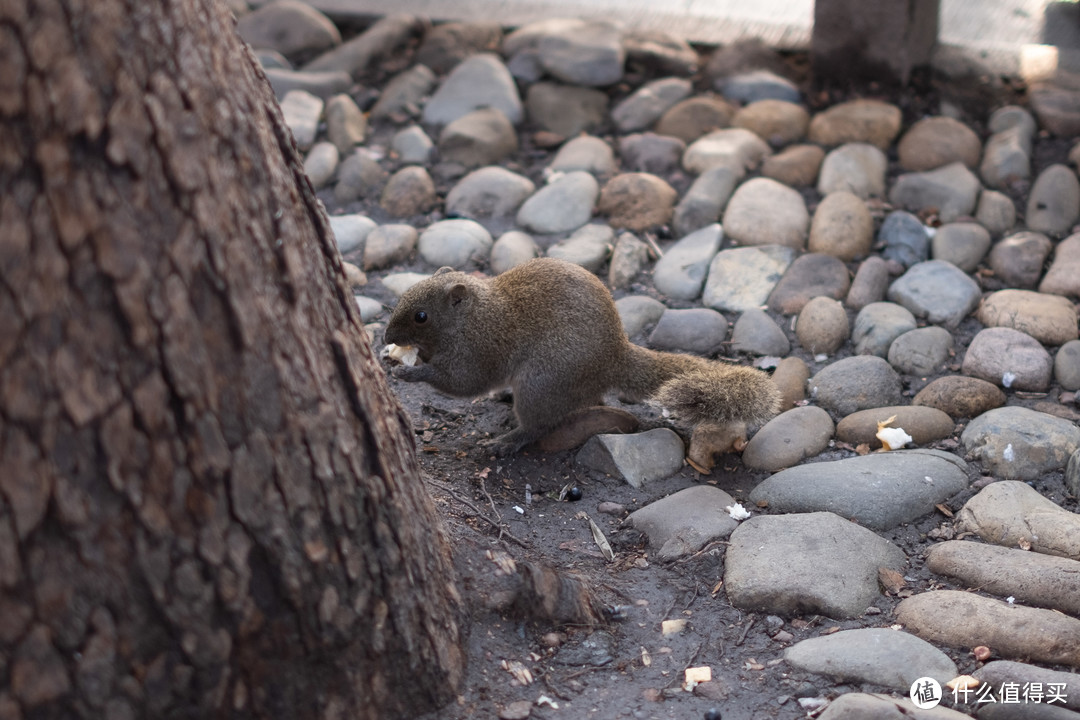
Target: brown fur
[(550, 331)]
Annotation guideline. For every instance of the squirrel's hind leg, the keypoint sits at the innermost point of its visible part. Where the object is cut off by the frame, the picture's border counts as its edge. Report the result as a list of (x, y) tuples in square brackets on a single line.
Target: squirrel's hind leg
[(540, 408)]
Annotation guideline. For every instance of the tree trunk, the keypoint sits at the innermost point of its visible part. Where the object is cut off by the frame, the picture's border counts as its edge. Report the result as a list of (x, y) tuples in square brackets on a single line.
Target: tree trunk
[(209, 499)]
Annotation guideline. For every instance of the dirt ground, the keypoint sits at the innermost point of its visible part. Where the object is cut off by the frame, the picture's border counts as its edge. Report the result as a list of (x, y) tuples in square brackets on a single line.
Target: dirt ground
[(627, 667)]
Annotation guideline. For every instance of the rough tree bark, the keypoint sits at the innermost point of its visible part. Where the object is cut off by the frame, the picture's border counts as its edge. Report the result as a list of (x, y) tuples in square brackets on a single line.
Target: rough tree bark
[(209, 499)]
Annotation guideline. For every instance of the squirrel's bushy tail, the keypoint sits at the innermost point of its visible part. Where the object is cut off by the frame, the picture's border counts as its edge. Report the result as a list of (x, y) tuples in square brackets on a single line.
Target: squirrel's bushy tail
[(696, 390)]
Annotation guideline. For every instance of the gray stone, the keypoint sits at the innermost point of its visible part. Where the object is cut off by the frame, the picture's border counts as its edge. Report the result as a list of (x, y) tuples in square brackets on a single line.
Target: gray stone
[(1057, 107), (788, 439), (399, 283), (409, 191), (755, 85), (563, 205), (565, 110), (857, 168), (588, 53), (477, 82), (870, 283), (638, 312), (404, 93), (966, 620), (683, 523), (877, 325), (742, 279), (638, 458), (355, 56), (697, 115), (350, 231), (1063, 277), (359, 176), (1054, 202), (321, 164), (1017, 443), (859, 706), (702, 204), (1006, 159), (816, 563), (589, 247), (660, 51), (273, 60), (346, 126), (588, 154), (290, 27), (489, 194), (512, 249), (1012, 116), (999, 672), (936, 290), (855, 383), (697, 330), (1067, 365), (764, 212), (964, 244), (478, 138), (905, 239), (1031, 578), (454, 243), (644, 106), (651, 153), (301, 111), (921, 352), (822, 326), (1017, 261), (879, 491), (757, 334), (1010, 512), (951, 190), (1009, 358), (369, 308), (809, 276), (681, 272), (960, 396), (996, 212), (319, 84), (736, 148), (629, 258), (922, 424), (881, 656), (412, 145), (1050, 319), (389, 244)]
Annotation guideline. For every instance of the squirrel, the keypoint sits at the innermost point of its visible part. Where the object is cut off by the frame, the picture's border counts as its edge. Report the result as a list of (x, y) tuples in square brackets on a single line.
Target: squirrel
[(549, 330)]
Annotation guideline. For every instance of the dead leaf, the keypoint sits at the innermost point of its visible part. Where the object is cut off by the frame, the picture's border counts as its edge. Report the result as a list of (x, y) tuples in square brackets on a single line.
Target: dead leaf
[(944, 510), (891, 580), (601, 541)]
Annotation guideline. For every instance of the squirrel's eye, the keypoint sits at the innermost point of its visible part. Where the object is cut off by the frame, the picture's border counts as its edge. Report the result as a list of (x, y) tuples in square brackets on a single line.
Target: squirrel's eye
[(420, 317)]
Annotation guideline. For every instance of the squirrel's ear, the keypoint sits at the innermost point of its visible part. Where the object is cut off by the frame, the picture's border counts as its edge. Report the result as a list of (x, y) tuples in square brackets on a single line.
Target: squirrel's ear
[(443, 270), (456, 293)]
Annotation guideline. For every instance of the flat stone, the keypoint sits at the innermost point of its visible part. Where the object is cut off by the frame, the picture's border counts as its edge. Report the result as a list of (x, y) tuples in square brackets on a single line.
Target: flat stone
[(1009, 358), (1018, 260), (1054, 202), (683, 523), (512, 249), (1032, 578), (651, 153), (857, 168), (809, 276), (936, 290), (478, 138), (1006, 159), (695, 330), (864, 121), (412, 145), (350, 231), (757, 334), (803, 564), (937, 141), (965, 620), (587, 154), (1050, 319), (743, 278), (369, 308), (409, 191), (924, 424), (870, 283), (879, 491), (404, 92), (764, 212), (788, 439), (1014, 442), (320, 84), (777, 122), (399, 283), (638, 458), (702, 204), (628, 259), (921, 352), (681, 272), (856, 383), (346, 126), (588, 53), (795, 165), (951, 190), (301, 111), (822, 327), (960, 396), (737, 148), (359, 176), (589, 247), (998, 672), (857, 706), (289, 27), (563, 205), (695, 116), (637, 312), (877, 325), (379, 41), (644, 106), (489, 194), (964, 244), (481, 81), (1058, 108), (637, 201), (1012, 116), (1063, 277), (905, 238), (565, 110), (388, 245), (995, 212), (842, 227), (758, 85), (454, 243), (881, 656)]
